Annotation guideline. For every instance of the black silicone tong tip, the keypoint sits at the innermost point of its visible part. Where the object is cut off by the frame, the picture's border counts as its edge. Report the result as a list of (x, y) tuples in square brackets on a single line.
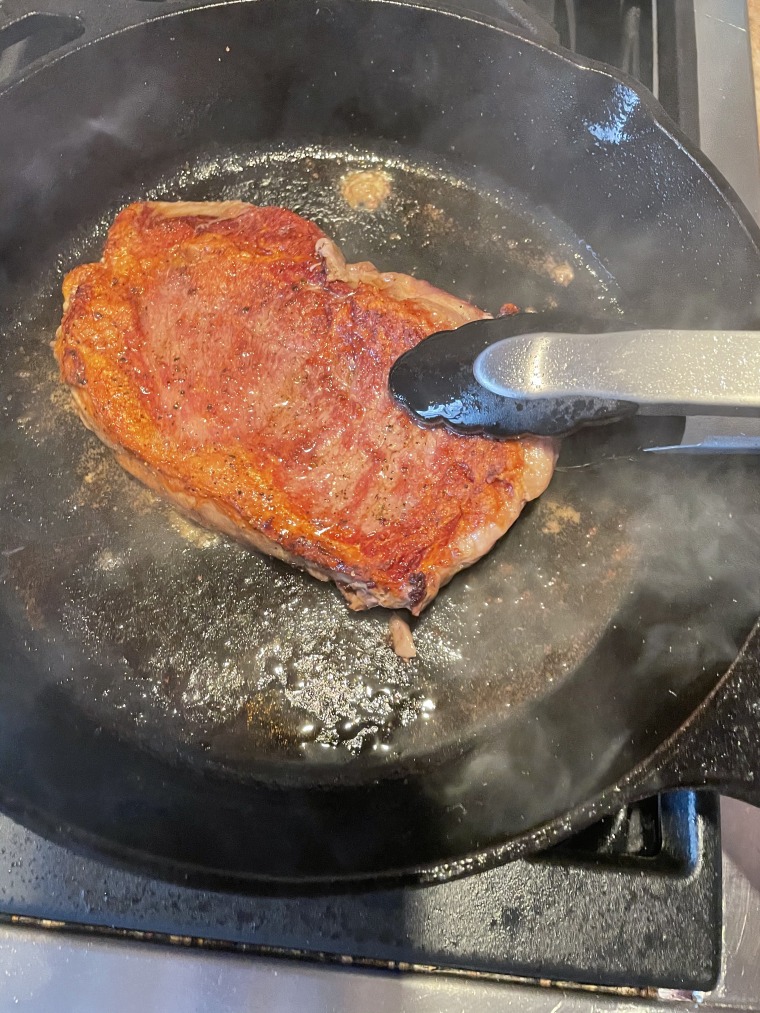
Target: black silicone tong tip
[(435, 383)]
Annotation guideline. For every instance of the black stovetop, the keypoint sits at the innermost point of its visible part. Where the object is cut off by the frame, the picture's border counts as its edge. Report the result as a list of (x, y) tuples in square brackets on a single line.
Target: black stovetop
[(634, 901)]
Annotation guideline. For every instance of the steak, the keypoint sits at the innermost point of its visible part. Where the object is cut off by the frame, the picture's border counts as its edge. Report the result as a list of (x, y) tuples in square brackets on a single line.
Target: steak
[(236, 364)]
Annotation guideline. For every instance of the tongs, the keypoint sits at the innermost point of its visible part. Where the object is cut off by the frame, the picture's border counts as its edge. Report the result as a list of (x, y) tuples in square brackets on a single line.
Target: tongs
[(542, 374)]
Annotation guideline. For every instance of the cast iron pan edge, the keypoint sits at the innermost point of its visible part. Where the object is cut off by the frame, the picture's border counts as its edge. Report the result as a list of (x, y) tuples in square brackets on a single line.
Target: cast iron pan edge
[(717, 748), (99, 22)]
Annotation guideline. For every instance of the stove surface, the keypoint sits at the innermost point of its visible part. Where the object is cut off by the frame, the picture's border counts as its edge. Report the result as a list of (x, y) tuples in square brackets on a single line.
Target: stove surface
[(634, 901), (64, 972)]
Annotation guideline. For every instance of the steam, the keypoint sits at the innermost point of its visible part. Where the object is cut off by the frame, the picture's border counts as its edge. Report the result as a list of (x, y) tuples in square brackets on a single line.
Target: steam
[(695, 523)]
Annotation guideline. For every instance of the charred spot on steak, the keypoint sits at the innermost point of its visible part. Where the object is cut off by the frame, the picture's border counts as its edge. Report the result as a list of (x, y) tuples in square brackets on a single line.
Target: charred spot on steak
[(72, 368), (417, 588)]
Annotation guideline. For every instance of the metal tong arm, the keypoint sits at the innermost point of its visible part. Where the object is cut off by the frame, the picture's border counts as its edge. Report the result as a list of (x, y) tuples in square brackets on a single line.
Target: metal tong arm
[(662, 372)]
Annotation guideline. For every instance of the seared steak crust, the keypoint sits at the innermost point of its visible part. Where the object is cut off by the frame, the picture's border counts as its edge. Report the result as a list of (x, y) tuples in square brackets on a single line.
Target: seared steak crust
[(236, 364)]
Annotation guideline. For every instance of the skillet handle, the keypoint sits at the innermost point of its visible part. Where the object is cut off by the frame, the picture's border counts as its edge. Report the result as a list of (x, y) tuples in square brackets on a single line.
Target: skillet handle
[(30, 34), (33, 34), (26, 38), (719, 747)]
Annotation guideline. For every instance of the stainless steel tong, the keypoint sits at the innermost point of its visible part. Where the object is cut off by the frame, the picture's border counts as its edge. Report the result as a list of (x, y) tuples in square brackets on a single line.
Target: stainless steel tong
[(661, 372), (528, 375)]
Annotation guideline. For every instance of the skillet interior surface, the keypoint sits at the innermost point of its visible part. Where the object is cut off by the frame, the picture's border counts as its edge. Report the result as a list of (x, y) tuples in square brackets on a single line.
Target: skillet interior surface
[(206, 699)]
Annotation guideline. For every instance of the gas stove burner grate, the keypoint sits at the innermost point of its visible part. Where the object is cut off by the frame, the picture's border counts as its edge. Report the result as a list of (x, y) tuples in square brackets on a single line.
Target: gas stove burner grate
[(597, 909), (653, 41)]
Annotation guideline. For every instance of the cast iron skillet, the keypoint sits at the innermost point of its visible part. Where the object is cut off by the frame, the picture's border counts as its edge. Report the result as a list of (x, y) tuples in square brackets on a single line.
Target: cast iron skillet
[(174, 702)]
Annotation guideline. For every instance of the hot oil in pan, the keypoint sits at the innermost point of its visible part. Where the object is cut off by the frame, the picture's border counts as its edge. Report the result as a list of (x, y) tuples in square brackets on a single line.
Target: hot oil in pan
[(469, 236), (168, 632)]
